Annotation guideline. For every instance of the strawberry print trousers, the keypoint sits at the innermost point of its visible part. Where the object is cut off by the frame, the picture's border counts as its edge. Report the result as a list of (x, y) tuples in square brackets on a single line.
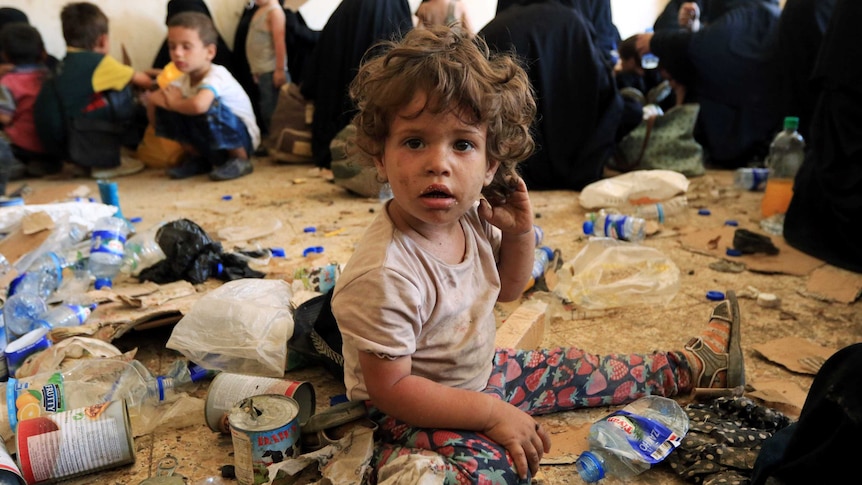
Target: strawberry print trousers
[(537, 382)]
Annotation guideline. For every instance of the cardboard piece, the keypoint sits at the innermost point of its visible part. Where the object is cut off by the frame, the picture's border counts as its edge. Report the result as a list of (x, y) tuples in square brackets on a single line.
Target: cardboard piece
[(715, 241), (54, 193), (780, 394), (35, 222), (18, 244), (834, 284), (796, 354), (524, 328)]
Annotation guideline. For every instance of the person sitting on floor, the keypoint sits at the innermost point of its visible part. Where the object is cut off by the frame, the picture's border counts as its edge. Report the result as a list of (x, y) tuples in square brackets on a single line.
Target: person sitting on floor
[(91, 85), (446, 122), (579, 105), (23, 48), (205, 110)]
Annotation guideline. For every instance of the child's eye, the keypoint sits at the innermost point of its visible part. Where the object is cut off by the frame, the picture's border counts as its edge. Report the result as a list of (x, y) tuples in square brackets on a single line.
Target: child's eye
[(413, 143), (463, 145)]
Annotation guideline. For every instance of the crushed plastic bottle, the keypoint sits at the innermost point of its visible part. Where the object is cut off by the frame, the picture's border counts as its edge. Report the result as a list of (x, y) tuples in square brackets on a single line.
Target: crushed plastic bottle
[(107, 250), (142, 251), (66, 316), (628, 442), (616, 226)]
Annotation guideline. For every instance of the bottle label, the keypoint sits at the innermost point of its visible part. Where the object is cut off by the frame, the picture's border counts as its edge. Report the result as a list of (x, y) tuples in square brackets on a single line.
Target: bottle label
[(81, 312), (108, 242), (24, 402), (651, 439)]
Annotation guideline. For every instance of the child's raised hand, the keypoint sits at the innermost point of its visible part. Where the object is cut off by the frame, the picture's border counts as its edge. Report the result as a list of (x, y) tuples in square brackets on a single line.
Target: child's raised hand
[(524, 439), (514, 214)]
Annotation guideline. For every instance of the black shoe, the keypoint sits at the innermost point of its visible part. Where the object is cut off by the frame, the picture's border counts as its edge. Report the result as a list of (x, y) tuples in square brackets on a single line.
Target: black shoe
[(190, 167), (232, 169), (748, 242)]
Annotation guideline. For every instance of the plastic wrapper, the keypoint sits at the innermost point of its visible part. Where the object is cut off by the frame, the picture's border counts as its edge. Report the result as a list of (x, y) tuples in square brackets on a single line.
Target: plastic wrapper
[(632, 188), (608, 273), (242, 327)]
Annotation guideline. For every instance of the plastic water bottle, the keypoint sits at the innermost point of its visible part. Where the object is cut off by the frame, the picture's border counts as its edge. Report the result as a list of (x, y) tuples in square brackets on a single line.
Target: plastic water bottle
[(66, 316), (628, 442), (142, 251), (616, 226), (107, 250), (786, 154), (24, 307), (662, 211), (751, 178)]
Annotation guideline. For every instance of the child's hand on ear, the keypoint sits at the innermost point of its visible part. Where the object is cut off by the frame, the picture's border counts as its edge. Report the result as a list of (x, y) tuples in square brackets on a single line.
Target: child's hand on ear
[(514, 214)]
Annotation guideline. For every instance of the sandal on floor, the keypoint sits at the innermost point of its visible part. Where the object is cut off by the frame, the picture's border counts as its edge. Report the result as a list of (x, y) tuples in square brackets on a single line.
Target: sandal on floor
[(731, 361)]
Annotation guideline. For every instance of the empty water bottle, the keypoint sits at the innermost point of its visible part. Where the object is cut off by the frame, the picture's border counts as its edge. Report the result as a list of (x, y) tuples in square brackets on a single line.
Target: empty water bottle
[(66, 316), (662, 211), (751, 178), (649, 60), (616, 226), (142, 251), (628, 442), (107, 250), (24, 307)]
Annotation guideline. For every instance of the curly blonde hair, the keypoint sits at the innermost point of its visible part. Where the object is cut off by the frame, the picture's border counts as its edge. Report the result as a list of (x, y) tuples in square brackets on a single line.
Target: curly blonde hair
[(460, 75)]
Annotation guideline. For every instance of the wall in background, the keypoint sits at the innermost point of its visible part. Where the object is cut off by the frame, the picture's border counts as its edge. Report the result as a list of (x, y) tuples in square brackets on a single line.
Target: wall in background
[(140, 25)]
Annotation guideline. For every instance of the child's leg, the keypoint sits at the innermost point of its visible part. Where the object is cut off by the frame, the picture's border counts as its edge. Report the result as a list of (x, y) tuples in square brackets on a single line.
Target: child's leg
[(550, 380), (267, 101), (470, 457), (229, 134)]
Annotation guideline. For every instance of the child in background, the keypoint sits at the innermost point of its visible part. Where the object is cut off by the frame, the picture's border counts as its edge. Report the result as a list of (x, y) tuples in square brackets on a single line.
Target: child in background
[(205, 110), (446, 123), (22, 47), (267, 55), (91, 84)]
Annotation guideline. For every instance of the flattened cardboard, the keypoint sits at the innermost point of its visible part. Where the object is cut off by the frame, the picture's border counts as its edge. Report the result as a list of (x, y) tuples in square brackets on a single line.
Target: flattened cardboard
[(568, 444), (715, 241), (834, 284), (35, 222), (781, 394), (792, 352)]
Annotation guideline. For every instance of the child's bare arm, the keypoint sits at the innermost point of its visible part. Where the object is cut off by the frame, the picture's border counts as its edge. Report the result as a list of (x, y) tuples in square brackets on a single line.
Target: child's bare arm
[(142, 80), (172, 99), (276, 25), (426, 404), (514, 217)]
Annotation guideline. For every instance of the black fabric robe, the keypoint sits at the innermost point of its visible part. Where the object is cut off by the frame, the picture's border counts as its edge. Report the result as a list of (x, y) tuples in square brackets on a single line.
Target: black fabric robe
[(579, 107), (728, 68), (596, 12), (825, 214), (354, 27), (800, 32), (710, 10)]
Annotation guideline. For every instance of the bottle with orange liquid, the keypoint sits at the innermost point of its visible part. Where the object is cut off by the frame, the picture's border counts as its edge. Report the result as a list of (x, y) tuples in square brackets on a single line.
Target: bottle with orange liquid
[(786, 154)]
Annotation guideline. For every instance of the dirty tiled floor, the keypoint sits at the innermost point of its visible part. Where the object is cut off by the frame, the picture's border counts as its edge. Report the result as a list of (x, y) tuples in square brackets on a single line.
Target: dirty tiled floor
[(284, 199)]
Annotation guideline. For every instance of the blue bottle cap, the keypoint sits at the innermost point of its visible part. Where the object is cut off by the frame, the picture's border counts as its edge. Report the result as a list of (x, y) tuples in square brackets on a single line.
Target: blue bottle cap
[(731, 222), (714, 296), (312, 250), (733, 252), (703, 212), (197, 372), (309, 229), (136, 220), (103, 283), (277, 252), (227, 197), (588, 228)]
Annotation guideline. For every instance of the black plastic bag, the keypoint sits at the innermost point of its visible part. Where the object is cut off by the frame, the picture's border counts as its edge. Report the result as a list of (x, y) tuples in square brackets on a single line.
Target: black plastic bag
[(316, 334), (190, 254)]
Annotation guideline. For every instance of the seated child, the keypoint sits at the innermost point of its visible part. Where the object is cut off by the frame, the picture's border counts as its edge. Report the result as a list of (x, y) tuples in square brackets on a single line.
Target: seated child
[(446, 123), (90, 85), (205, 110), (22, 48)]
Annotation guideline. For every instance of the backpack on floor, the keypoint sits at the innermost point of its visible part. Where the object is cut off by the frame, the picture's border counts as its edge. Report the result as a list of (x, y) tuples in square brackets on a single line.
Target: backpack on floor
[(289, 138)]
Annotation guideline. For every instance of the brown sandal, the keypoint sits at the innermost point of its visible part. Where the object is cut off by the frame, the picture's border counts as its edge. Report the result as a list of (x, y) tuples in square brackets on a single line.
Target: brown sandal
[(731, 361)]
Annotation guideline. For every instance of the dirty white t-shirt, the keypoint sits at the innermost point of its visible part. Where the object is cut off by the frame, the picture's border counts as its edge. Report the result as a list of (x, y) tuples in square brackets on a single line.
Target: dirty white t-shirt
[(229, 91), (396, 299)]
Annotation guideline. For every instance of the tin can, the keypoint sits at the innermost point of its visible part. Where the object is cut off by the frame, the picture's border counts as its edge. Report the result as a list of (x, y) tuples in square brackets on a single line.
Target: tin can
[(227, 389), (264, 430), (9, 472), (75, 442)]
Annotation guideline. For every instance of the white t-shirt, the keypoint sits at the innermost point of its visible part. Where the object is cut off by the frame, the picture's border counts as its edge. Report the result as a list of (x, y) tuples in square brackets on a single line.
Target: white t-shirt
[(396, 299), (227, 90)]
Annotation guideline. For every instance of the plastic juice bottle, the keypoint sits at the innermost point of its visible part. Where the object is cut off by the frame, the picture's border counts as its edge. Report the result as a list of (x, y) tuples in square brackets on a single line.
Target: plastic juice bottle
[(786, 154)]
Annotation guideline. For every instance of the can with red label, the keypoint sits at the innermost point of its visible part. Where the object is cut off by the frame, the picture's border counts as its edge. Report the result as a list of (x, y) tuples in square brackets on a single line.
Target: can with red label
[(227, 389), (264, 430), (75, 442)]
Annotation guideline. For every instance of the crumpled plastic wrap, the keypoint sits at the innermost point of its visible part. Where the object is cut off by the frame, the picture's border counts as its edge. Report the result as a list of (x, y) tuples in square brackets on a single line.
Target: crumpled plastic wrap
[(608, 273)]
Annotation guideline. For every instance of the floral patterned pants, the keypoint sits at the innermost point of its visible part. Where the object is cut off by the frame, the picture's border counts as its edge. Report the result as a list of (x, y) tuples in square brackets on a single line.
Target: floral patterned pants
[(537, 382)]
